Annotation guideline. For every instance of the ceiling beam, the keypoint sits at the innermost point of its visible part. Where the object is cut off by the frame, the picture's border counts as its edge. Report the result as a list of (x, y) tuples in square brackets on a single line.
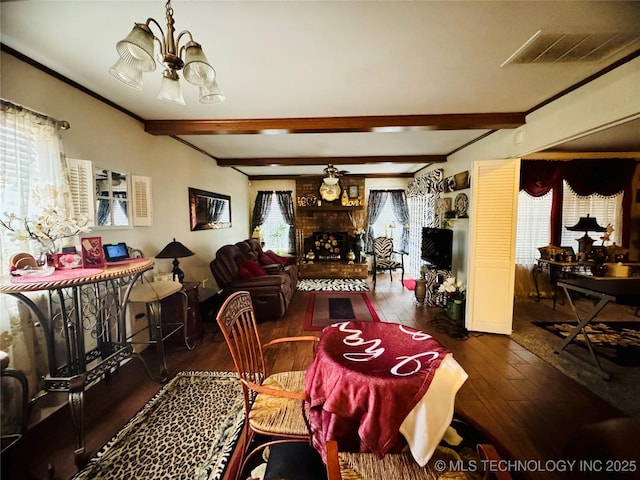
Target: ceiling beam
[(293, 177), (266, 162), (392, 123), (549, 155)]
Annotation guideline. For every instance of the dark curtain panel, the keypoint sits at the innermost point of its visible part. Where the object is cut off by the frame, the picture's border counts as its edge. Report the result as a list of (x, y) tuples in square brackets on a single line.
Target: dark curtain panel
[(260, 209), (285, 202), (539, 177), (401, 211), (377, 199)]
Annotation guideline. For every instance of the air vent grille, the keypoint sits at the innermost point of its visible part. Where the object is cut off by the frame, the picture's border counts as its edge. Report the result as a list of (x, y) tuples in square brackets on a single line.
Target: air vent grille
[(572, 47)]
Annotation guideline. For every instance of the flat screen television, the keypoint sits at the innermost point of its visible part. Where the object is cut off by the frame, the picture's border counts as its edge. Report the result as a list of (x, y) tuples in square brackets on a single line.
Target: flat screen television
[(437, 247)]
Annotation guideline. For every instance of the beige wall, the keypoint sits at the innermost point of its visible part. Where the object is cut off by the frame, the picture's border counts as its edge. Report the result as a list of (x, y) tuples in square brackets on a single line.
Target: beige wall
[(118, 142)]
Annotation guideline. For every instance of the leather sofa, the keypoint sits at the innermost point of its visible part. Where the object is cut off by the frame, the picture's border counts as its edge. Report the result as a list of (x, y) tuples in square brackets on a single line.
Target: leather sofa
[(270, 292)]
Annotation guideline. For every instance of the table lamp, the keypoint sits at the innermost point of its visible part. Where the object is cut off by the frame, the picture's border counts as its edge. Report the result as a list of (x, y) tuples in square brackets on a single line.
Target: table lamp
[(175, 250), (586, 224)]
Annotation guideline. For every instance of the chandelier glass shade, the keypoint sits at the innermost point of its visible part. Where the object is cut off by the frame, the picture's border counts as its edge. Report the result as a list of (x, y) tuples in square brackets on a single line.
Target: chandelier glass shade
[(330, 180), (332, 175), (136, 53), (211, 93)]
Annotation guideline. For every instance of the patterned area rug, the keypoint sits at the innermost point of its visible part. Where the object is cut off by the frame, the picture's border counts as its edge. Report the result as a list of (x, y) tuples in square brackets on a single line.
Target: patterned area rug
[(327, 308), (333, 285), (188, 430), (617, 341)]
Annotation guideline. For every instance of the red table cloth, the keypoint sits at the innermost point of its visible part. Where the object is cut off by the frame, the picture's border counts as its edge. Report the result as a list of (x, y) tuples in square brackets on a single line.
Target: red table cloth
[(365, 379)]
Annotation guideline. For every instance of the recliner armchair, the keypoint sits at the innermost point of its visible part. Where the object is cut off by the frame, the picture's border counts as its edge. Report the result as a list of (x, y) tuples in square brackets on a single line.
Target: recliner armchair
[(251, 249), (270, 294)]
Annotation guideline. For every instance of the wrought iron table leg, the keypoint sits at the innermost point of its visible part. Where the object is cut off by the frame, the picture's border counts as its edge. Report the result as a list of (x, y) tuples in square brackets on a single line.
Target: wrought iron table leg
[(76, 406)]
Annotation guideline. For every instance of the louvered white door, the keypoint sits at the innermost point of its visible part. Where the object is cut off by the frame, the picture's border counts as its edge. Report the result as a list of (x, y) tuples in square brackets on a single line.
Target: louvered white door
[(82, 187), (142, 212), (492, 239)]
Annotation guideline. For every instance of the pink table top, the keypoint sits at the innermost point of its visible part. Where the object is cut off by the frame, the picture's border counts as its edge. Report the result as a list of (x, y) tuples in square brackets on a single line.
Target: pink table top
[(73, 277)]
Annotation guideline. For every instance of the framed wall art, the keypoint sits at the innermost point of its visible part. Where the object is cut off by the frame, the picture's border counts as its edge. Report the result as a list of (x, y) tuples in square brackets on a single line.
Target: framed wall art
[(208, 210), (459, 181)]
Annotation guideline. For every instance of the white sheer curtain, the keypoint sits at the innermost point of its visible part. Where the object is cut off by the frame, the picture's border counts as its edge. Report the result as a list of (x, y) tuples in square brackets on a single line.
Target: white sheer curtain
[(533, 231), (31, 157)]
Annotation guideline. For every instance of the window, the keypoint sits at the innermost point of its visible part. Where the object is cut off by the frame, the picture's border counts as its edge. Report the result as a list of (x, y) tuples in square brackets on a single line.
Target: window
[(606, 210), (534, 229), (534, 226), (386, 225), (112, 205), (275, 231)]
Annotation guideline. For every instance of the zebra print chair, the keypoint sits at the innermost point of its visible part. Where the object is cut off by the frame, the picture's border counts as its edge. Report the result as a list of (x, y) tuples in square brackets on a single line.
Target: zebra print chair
[(385, 258)]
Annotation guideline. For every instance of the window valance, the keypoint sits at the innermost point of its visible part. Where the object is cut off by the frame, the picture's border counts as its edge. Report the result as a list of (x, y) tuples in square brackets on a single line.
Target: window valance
[(585, 177)]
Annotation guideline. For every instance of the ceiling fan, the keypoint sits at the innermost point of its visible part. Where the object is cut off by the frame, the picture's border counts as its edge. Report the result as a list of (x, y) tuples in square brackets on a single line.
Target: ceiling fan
[(332, 174)]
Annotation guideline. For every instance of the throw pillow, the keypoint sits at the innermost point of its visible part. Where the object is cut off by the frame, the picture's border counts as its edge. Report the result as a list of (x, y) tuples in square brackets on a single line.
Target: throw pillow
[(244, 273), (265, 260), (254, 268), (275, 257)]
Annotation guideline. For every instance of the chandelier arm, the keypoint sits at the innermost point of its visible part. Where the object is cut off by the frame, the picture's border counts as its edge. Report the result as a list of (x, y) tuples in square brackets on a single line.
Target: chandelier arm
[(161, 39), (181, 48)]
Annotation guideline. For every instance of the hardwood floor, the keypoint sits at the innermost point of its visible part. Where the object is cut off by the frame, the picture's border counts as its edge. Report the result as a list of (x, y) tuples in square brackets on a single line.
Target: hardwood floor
[(529, 407)]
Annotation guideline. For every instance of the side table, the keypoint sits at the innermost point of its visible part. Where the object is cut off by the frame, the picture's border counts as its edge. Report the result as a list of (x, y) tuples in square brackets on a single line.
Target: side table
[(173, 307)]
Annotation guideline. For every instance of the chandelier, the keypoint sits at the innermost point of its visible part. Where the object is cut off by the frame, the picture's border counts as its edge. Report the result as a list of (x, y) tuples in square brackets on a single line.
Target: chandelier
[(137, 55)]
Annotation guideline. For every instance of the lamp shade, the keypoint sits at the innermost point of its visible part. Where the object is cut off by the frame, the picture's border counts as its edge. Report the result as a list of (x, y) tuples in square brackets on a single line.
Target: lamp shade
[(137, 48), (127, 74), (174, 250), (211, 93), (196, 66), (170, 89), (587, 224)]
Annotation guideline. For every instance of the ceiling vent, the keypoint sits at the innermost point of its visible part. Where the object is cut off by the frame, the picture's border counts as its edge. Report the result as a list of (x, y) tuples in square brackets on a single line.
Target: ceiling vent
[(571, 47)]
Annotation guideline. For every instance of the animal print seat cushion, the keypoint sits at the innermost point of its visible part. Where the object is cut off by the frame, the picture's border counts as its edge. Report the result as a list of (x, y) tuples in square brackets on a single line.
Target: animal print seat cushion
[(188, 430)]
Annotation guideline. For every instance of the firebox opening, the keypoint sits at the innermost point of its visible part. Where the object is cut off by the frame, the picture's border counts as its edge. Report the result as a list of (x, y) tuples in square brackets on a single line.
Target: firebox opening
[(330, 246)]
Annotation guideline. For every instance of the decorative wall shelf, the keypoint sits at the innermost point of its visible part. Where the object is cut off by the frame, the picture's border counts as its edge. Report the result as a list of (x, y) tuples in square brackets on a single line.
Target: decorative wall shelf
[(328, 208)]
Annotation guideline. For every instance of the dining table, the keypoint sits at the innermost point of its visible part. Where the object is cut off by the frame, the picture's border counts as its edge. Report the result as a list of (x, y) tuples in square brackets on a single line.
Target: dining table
[(381, 387)]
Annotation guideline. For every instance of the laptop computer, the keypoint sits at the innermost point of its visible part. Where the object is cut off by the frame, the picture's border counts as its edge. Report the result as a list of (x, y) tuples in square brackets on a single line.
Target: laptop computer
[(117, 253)]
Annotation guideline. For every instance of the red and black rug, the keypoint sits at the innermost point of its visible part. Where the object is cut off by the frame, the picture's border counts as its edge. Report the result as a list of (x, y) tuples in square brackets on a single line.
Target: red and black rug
[(330, 307)]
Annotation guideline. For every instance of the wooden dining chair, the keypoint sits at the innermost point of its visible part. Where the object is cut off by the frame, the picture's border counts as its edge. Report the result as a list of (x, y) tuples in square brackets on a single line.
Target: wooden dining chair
[(274, 404), (368, 466)]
